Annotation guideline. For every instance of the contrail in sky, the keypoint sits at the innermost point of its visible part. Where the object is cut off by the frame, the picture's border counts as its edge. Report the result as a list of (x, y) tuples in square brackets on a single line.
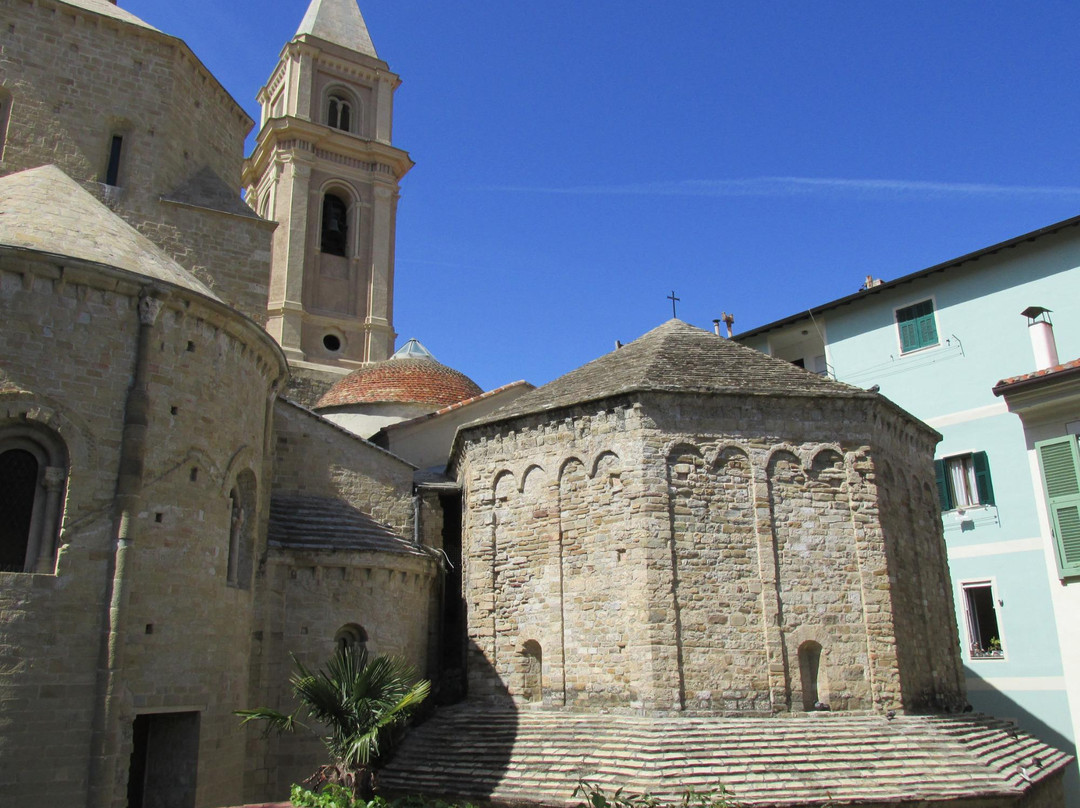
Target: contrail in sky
[(795, 186)]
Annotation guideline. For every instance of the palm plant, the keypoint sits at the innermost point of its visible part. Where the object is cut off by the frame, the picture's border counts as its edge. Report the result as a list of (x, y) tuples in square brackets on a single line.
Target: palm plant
[(359, 703)]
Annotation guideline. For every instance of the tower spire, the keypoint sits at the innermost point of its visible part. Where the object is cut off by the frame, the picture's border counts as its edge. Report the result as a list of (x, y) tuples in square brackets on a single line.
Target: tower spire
[(325, 168), (340, 23)]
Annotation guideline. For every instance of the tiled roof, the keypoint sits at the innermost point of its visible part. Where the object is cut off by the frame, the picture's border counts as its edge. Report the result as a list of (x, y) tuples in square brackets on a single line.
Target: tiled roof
[(457, 406), (675, 357), (205, 189), (479, 752), (44, 209), (324, 523), (946, 266), (412, 381), (1050, 374), (107, 9)]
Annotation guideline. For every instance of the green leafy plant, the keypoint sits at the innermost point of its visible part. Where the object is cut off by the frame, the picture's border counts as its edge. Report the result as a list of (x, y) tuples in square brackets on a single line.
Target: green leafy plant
[(592, 795), (330, 795), (360, 705)]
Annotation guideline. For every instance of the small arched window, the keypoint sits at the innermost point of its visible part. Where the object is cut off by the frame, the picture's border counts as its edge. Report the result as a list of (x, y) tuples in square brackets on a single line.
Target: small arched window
[(533, 662), (241, 531), (339, 113), (809, 670), (335, 225), (33, 473), (351, 637)]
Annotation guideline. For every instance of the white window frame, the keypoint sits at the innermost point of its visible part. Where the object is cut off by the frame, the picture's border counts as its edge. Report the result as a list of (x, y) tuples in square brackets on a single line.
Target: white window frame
[(896, 325), (969, 620)]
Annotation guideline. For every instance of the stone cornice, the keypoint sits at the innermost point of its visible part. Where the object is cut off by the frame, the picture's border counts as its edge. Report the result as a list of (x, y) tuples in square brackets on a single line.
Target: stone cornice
[(342, 60), (340, 148)]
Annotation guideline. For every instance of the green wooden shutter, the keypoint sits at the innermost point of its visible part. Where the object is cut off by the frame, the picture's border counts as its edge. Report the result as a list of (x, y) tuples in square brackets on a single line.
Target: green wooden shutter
[(942, 486), (982, 478), (927, 329), (1059, 461), (909, 335), (917, 326)]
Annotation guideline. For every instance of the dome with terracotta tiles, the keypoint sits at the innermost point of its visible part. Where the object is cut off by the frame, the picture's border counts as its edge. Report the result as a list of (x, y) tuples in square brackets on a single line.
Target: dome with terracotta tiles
[(410, 376)]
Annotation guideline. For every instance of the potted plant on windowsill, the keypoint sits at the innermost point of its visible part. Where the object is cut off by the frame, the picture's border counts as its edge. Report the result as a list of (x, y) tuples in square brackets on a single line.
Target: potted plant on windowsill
[(994, 651)]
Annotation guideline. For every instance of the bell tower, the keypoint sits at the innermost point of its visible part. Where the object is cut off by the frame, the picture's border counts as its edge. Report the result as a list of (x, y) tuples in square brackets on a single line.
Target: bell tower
[(325, 169)]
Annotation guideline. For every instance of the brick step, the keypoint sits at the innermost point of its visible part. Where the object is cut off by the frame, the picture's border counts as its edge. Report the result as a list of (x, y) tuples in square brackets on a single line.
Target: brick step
[(538, 756)]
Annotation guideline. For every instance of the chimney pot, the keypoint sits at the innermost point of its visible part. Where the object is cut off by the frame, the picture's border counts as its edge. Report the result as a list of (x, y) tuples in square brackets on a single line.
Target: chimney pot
[(1041, 331)]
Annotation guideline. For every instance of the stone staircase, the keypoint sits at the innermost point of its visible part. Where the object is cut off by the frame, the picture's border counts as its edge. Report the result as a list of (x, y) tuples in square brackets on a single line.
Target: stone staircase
[(539, 756)]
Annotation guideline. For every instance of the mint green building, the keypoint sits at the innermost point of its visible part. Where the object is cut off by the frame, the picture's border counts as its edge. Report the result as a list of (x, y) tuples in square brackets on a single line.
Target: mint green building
[(937, 342)]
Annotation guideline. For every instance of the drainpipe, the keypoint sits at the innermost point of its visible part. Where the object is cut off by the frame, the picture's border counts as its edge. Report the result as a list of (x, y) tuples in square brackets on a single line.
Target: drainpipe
[(109, 687), (1041, 331)]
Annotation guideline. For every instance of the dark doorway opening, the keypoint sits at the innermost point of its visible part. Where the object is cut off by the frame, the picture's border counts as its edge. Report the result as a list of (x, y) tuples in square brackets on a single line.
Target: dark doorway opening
[(164, 761), (454, 632)]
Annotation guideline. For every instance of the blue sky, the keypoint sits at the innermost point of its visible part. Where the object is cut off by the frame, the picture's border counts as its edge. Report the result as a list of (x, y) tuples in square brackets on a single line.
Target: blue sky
[(577, 161)]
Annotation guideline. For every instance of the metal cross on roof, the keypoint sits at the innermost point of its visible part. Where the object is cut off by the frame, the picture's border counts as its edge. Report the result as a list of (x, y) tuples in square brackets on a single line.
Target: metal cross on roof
[(673, 300)]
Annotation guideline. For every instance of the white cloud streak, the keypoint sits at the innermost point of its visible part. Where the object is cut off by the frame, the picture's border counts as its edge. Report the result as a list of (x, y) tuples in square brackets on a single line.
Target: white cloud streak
[(801, 186)]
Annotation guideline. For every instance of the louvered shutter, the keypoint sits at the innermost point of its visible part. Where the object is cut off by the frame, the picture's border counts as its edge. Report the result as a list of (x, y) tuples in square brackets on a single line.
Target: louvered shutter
[(909, 335), (982, 478), (1059, 462), (942, 485), (927, 329), (917, 326)]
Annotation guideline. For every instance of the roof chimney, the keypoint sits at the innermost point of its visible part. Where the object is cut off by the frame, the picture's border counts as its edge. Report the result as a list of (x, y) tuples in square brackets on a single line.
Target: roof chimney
[(1041, 331), (729, 321)]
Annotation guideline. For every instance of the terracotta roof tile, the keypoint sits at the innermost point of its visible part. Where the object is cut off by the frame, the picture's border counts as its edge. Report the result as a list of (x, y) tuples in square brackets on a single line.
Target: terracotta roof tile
[(1045, 373), (458, 405), (412, 381)]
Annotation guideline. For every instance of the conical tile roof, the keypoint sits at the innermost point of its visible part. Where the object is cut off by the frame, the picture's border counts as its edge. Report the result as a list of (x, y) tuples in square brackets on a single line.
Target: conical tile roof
[(679, 358), (339, 22), (44, 209)]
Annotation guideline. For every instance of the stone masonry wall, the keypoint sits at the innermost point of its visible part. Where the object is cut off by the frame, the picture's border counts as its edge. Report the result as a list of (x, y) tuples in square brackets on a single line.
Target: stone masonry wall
[(115, 78), (728, 557), (50, 625), (69, 351), (305, 596), (227, 252), (926, 631), (313, 457), (305, 599), (552, 572)]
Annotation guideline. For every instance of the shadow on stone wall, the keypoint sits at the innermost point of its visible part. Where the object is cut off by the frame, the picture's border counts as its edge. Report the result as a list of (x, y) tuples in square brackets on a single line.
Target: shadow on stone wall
[(458, 750), (985, 698)]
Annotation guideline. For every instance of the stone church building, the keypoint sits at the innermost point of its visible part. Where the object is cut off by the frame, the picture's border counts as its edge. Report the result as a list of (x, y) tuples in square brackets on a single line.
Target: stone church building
[(213, 457)]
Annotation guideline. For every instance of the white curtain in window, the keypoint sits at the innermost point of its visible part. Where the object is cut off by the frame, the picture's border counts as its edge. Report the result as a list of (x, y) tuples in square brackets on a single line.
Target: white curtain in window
[(962, 479)]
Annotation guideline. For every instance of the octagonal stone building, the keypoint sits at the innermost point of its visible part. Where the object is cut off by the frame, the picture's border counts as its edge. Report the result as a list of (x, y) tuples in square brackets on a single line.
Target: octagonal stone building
[(686, 524)]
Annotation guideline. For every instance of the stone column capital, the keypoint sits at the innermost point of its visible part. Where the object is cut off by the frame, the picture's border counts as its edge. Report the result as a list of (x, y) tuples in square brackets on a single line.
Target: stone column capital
[(149, 309), (54, 477)]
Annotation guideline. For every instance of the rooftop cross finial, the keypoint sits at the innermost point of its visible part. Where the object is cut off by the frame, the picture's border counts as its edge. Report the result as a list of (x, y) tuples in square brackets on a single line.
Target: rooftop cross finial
[(673, 300)]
